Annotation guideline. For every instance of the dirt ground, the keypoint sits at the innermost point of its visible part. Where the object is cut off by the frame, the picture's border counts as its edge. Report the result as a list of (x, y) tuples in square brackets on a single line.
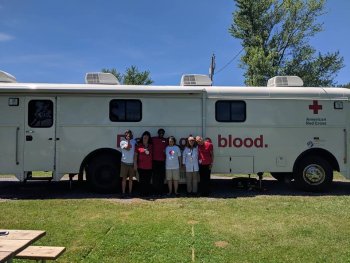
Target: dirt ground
[(222, 187)]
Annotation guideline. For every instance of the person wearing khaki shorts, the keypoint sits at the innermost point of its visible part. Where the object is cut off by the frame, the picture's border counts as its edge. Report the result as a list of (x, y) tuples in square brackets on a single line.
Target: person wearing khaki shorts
[(127, 146), (172, 165), (173, 174)]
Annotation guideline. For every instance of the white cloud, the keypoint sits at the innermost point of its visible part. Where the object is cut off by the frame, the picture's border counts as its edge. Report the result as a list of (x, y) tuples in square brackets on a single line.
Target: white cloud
[(5, 37)]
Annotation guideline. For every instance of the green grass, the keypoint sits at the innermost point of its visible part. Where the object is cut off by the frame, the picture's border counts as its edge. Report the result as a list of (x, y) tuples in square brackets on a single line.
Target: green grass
[(258, 229)]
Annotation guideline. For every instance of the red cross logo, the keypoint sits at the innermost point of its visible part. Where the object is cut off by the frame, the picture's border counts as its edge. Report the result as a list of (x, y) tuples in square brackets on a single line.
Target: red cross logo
[(315, 107)]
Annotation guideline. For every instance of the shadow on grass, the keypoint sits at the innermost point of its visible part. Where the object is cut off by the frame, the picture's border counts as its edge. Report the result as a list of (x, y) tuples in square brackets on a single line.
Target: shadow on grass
[(222, 188)]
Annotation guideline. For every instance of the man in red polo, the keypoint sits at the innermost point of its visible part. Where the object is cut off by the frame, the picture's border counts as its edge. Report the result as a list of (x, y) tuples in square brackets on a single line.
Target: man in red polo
[(205, 159), (159, 144)]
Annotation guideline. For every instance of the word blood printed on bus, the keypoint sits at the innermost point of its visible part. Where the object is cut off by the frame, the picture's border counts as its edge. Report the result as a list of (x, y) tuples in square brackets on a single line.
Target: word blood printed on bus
[(236, 142)]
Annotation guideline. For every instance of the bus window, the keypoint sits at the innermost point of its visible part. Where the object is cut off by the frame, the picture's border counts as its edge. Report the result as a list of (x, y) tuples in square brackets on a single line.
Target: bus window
[(125, 110), (40, 113), (230, 111)]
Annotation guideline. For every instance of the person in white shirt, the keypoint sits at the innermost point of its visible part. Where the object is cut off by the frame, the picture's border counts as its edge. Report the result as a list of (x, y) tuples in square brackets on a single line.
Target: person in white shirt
[(127, 146), (172, 164), (190, 161)]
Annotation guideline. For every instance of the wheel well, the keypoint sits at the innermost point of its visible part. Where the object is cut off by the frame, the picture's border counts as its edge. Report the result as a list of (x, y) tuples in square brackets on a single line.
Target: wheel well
[(92, 155), (318, 152)]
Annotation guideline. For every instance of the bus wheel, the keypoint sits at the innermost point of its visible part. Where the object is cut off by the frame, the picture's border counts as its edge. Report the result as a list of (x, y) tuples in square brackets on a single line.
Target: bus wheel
[(314, 174), (282, 177), (103, 173)]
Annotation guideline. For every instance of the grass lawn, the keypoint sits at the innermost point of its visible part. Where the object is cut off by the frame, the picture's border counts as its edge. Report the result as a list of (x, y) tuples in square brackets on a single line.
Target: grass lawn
[(250, 229)]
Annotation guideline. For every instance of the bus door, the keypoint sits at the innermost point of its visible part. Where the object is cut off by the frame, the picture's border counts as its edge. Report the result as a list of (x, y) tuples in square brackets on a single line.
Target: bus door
[(39, 134)]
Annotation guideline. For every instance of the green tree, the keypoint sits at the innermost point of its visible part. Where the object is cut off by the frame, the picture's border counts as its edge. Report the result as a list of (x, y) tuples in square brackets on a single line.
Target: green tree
[(275, 35), (132, 76), (345, 86)]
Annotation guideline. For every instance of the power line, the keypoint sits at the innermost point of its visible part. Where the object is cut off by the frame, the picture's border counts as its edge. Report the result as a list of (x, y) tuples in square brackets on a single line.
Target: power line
[(228, 63)]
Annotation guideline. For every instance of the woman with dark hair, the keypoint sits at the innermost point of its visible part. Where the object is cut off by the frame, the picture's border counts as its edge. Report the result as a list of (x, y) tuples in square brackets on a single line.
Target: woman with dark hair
[(172, 164), (143, 162)]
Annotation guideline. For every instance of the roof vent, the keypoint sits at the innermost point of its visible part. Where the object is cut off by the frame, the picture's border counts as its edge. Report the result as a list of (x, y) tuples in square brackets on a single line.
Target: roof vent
[(285, 81), (195, 80), (7, 77), (101, 78)]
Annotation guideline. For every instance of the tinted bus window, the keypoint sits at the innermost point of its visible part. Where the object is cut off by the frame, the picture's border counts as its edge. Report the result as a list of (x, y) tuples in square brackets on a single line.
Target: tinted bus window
[(40, 113), (230, 111), (125, 110)]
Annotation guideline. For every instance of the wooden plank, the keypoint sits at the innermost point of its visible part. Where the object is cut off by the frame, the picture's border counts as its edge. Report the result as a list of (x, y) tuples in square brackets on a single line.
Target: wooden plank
[(13, 245), (41, 252), (17, 240), (4, 256), (32, 235)]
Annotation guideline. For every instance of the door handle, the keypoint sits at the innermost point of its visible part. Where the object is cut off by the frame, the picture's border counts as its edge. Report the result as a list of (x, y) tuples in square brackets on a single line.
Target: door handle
[(29, 131), (29, 138)]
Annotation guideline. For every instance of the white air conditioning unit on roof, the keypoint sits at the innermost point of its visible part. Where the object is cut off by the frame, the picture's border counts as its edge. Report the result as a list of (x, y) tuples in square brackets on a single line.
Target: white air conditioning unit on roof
[(285, 81), (101, 78), (195, 80), (7, 77)]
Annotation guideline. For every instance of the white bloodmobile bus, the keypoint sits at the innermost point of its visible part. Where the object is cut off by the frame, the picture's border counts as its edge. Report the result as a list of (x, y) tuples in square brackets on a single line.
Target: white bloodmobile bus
[(284, 128)]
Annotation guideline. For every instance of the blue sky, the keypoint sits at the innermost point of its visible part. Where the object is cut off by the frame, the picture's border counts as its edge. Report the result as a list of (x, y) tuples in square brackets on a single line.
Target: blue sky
[(59, 41)]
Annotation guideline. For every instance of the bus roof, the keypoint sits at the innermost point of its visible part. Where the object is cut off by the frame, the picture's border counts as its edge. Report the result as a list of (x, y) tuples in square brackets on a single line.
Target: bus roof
[(211, 91)]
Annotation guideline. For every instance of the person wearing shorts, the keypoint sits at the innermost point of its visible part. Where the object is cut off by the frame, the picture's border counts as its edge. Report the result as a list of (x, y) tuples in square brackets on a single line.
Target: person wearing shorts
[(127, 146), (190, 161), (172, 165)]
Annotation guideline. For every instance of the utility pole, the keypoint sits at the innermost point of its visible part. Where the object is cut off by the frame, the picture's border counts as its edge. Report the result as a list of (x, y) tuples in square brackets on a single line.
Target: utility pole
[(212, 68)]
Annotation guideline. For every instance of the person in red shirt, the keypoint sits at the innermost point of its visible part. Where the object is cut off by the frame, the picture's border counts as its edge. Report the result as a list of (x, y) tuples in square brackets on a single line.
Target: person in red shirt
[(205, 159), (159, 143), (143, 162)]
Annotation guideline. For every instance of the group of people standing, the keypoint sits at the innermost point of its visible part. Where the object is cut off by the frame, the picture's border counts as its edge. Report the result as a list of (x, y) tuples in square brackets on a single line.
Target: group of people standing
[(159, 158)]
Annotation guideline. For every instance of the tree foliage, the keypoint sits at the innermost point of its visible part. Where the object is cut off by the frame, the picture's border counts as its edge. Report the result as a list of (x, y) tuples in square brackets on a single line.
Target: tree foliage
[(345, 86), (132, 76), (275, 36)]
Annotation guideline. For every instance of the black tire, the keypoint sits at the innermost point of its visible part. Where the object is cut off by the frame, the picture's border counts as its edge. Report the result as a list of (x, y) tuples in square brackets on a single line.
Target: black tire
[(314, 174), (282, 177), (103, 173)]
